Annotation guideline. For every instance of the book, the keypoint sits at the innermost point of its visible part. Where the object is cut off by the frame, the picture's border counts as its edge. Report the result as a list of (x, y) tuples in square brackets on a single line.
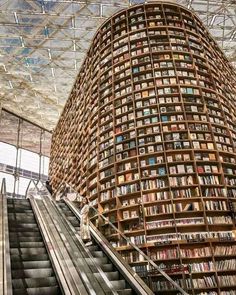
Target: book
[(125, 214), (161, 171), (169, 159), (207, 168), (181, 168), (151, 161), (200, 169), (128, 177), (186, 157), (189, 169), (172, 169)]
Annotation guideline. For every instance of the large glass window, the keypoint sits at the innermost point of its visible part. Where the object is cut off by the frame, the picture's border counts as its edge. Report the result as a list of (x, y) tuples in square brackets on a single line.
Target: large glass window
[(28, 160), (7, 154), (10, 182), (24, 153), (21, 186), (44, 167)]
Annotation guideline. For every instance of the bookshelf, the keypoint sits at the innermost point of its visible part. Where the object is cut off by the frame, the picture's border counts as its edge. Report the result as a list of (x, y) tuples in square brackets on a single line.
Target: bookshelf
[(149, 135)]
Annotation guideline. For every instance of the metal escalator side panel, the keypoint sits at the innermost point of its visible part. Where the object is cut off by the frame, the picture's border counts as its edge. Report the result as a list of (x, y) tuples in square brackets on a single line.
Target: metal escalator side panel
[(5, 262), (66, 276), (138, 285)]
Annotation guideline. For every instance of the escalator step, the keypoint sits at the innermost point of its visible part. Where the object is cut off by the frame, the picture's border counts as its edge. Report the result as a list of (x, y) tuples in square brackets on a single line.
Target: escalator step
[(25, 234), (125, 292), (107, 267), (33, 282), (23, 230), (32, 273), (100, 260), (29, 244), (28, 251), (68, 213), (16, 258), (38, 291), (98, 254), (21, 225), (25, 211), (20, 215), (75, 223), (27, 239), (30, 264), (119, 284), (112, 276), (93, 248)]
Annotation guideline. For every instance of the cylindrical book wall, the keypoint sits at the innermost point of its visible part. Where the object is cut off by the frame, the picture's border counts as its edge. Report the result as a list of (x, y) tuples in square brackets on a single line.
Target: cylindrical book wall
[(148, 134)]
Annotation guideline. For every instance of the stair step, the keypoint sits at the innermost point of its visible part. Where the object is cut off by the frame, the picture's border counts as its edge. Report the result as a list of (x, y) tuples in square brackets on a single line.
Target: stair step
[(30, 264), (34, 282), (32, 273), (54, 290)]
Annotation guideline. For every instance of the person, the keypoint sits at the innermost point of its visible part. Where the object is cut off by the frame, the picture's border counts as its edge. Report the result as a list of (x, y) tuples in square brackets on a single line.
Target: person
[(49, 187), (84, 226)]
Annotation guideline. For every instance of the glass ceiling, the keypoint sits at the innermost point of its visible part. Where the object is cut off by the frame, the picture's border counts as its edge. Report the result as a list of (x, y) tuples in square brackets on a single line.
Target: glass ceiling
[(43, 43)]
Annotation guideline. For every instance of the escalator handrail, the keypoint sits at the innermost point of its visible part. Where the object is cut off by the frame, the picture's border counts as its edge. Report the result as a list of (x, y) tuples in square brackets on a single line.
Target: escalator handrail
[(153, 264), (5, 261), (3, 187)]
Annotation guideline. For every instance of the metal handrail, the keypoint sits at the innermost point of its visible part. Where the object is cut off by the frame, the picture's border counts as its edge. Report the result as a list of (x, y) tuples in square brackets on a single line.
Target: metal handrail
[(3, 186), (165, 275), (5, 262)]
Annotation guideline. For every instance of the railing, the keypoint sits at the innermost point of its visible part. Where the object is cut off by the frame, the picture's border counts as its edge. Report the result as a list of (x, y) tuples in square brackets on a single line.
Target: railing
[(153, 271), (5, 262)]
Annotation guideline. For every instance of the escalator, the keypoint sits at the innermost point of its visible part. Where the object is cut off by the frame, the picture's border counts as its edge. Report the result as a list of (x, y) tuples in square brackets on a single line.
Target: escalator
[(102, 259), (31, 269)]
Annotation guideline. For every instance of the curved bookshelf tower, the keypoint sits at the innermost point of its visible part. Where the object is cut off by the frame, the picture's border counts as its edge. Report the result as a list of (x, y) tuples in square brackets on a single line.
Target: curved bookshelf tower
[(149, 135)]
